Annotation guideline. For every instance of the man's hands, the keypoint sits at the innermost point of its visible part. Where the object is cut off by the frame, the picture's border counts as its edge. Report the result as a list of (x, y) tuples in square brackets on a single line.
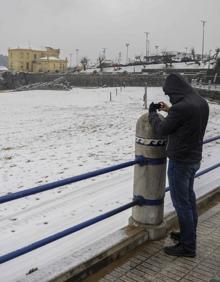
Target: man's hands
[(162, 107)]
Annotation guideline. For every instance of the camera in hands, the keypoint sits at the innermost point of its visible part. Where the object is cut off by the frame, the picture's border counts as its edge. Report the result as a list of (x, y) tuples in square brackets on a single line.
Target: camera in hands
[(157, 106)]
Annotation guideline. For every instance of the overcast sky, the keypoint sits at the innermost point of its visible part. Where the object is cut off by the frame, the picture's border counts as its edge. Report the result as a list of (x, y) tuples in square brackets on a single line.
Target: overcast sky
[(91, 25)]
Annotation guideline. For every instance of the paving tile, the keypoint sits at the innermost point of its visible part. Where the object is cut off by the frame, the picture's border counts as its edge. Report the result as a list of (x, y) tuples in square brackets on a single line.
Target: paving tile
[(110, 277), (146, 270), (151, 264), (153, 267), (116, 273), (161, 277)]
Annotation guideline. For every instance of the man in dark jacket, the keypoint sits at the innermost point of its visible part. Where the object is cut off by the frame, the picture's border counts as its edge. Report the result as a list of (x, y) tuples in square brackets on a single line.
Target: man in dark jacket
[(185, 127)]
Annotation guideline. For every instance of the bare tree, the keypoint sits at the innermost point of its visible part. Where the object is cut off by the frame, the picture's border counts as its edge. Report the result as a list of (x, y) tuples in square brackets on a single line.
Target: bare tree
[(193, 52), (167, 58), (100, 61), (84, 61), (217, 51), (138, 59)]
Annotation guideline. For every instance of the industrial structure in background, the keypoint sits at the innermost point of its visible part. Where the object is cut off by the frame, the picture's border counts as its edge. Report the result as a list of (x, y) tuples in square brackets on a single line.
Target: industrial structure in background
[(35, 60)]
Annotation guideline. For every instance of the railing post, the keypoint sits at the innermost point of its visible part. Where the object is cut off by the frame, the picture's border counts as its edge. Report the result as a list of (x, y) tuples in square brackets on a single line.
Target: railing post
[(149, 180)]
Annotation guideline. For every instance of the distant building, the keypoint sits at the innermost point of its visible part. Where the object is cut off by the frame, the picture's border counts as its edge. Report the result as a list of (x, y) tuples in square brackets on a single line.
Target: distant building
[(107, 63), (33, 60)]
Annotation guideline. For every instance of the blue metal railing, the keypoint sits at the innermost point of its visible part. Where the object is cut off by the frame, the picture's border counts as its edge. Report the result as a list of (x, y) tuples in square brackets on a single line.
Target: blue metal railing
[(73, 229), (59, 183), (64, 233), (201, 172), (211, 139)]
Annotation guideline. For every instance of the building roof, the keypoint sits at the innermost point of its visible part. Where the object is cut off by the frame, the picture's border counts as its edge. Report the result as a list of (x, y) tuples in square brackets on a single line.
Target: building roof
[(34, 48), (27, 48), (3, 68), (50, 59)]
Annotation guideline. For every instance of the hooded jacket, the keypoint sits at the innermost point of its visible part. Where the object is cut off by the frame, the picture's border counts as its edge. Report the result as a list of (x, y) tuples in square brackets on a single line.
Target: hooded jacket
[(185, 123)]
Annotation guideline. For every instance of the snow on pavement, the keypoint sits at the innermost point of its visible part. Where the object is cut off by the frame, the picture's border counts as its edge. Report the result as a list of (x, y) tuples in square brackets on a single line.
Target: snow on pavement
[(52, 135)]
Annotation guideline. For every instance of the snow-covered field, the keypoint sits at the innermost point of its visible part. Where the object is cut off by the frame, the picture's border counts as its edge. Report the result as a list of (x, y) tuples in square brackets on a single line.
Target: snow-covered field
[(51, 135)]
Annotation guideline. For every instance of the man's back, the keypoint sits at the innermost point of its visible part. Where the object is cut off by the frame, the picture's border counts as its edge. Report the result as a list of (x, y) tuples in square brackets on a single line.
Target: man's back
[(185, 123), (185, 143)]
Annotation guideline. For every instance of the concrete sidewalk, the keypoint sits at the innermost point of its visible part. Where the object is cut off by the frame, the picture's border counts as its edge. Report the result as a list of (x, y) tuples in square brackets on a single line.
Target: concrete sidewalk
[(150, 263)]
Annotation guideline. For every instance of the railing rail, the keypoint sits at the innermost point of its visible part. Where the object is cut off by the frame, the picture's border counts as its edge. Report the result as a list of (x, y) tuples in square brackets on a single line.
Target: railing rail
[(211, 139), (59, 183), (74, 179), (64, 233), (202, 172), (73, 229)]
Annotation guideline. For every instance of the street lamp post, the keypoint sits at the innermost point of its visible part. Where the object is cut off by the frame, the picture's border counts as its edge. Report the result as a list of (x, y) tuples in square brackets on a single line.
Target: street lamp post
[(104, 53), (156, 47), (147, 44), (127, 45), (210, 51), (70, 60), (77, 53), (203, 36)]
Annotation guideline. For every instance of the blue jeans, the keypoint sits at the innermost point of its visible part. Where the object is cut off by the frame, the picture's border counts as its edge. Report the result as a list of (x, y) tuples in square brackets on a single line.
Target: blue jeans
[(181, 180)]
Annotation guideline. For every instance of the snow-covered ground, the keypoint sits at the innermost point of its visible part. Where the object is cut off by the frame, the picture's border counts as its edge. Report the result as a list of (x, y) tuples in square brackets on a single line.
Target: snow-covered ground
[(138, 68), (51, 135)]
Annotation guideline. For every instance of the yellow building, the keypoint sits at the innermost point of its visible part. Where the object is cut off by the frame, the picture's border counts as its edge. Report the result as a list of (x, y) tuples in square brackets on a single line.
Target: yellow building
[(33, 60)]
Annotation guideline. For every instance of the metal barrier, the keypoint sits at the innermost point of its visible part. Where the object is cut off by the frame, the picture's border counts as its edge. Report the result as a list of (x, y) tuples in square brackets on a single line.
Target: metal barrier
[(211, 139), (73, 229), (59, 183), (202, 172), (64, 233), (45, 187)]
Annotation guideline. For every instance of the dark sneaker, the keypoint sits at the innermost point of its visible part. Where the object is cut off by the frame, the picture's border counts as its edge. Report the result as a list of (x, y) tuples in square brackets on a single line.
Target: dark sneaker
[(178, 250), (175, 236)]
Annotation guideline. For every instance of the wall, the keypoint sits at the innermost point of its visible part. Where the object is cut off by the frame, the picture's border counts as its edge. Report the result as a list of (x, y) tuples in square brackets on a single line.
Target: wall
[(111, 80), (12, 81), (50, 66), (22, 59), (212, 94)]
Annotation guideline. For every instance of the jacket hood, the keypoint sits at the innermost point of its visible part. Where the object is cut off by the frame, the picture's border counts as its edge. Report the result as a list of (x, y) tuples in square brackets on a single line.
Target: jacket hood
[(175, 84)]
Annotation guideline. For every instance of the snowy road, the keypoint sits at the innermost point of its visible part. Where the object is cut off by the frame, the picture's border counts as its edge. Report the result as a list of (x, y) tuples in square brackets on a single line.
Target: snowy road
[(46, 136)]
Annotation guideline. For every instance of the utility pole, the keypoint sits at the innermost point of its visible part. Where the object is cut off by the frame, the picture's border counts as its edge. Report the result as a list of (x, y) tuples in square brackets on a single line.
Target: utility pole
[(104, 52), (210, 51), (147, 44), (119, 58), (77, 53), (203, 36), (70, 59), (156, 47), (127, 45)]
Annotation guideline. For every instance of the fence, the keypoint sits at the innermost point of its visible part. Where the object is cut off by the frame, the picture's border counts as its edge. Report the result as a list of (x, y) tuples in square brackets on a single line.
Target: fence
[(136, 201)]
